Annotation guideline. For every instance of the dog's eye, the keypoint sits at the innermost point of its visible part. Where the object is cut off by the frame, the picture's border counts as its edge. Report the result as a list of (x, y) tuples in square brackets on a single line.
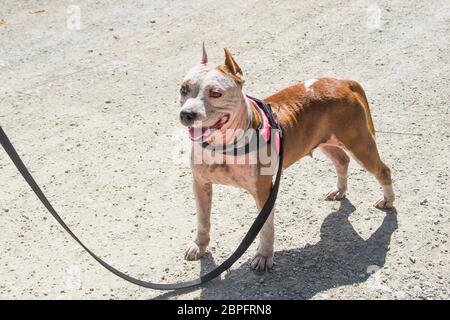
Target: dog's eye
[(215, 94), (184, 90)]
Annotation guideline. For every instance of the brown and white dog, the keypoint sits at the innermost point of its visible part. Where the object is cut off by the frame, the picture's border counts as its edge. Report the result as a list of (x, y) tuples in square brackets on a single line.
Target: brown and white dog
[(329, 114)]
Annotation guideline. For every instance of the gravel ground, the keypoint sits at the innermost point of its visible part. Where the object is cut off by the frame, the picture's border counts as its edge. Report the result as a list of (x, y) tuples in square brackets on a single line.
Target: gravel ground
[(92, 106)]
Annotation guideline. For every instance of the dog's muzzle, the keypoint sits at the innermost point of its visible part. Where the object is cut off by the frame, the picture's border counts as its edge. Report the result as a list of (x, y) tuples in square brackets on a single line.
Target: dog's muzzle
[(187, 117)]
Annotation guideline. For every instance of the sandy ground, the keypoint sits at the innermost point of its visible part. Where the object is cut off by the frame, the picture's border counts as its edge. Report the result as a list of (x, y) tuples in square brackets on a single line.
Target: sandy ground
[(92, 106)]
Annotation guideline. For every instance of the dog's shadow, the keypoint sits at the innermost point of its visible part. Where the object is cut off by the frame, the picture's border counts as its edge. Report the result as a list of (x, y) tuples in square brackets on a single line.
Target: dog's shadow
[(341, 257)]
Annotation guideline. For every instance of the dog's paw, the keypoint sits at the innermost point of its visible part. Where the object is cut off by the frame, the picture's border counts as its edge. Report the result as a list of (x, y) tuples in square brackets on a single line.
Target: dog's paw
[(383, 203), (194, 251), (335, 194), (261, 263)]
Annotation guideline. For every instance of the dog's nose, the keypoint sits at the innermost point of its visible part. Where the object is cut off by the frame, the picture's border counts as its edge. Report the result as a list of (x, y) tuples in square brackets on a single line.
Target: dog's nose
[(187, 117)]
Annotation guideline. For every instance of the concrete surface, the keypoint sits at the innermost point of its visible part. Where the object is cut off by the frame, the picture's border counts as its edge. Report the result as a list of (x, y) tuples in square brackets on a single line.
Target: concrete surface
[(89, 97)]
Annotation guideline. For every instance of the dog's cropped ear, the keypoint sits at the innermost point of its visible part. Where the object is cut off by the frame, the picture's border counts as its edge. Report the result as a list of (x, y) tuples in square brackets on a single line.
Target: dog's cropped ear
[(204, 55), (231, 63)]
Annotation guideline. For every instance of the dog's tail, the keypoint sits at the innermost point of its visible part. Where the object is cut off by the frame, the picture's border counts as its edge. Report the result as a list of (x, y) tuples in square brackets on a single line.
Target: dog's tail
[(361, 96)]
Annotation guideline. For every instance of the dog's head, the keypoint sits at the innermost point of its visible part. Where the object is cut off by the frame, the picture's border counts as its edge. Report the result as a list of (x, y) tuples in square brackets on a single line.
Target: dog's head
[(210, 96)]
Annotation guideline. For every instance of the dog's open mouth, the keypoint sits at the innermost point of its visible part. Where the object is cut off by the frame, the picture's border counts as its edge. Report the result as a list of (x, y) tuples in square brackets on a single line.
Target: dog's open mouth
[(199, 132)]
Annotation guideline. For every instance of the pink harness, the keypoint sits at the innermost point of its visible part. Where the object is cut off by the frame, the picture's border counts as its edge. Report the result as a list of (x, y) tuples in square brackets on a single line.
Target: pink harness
[(265, 128)]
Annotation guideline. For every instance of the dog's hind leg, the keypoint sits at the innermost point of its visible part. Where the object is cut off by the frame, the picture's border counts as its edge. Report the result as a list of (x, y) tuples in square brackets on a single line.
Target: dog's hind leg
[(358, 137), (340, 160), (364, 149), (369, 158)]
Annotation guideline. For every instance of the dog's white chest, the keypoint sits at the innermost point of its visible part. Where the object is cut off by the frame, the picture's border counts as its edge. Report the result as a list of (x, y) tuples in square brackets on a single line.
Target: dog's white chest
[(225, 170)]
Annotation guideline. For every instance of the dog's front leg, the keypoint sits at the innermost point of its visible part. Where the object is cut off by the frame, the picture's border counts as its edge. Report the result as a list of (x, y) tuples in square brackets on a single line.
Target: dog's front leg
[(203, 196), (263, 259)]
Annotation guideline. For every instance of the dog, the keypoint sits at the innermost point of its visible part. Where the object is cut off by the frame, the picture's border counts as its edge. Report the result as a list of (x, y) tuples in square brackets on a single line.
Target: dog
[(330, 114)]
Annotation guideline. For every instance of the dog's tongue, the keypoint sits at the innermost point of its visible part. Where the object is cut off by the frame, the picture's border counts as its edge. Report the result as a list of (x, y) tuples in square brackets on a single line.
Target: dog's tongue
[(197, 133)]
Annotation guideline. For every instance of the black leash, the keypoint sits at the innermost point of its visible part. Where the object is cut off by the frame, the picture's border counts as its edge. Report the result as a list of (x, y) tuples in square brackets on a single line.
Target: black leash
[(246, 242)]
